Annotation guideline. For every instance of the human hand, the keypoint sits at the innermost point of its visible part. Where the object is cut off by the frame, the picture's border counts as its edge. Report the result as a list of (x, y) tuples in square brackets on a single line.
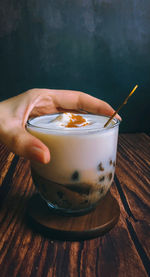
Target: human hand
[(15, 111)]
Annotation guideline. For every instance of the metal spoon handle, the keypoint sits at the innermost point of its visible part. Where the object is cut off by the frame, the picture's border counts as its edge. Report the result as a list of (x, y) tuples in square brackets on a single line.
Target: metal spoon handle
[(120, 107)]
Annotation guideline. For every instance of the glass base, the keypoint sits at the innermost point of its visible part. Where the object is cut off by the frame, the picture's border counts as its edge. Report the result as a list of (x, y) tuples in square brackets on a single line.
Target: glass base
[(69, 212), (72, 200)]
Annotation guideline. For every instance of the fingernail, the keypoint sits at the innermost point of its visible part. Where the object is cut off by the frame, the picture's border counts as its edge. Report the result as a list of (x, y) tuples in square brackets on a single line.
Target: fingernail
[(119, 117), (39, 155)]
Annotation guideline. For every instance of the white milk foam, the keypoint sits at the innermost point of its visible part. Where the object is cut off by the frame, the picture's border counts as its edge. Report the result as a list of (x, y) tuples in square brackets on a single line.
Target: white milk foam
[(58, 122)]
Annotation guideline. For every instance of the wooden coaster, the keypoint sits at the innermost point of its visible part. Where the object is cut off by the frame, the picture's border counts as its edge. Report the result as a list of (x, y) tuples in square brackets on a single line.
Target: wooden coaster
[(93, 224)]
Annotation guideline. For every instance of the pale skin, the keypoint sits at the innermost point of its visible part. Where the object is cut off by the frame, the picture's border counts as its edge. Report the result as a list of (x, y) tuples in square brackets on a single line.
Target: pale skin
[(15, 111)]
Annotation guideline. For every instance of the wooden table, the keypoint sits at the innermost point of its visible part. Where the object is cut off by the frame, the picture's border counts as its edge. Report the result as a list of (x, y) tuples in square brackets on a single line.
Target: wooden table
[(123, 251)]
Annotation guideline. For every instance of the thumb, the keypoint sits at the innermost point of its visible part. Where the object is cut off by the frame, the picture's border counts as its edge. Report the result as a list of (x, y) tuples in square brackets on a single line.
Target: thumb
[(24, 144)]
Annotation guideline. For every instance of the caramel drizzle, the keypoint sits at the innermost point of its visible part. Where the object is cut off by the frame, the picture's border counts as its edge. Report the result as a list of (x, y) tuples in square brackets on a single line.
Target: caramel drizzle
[(76, 121)]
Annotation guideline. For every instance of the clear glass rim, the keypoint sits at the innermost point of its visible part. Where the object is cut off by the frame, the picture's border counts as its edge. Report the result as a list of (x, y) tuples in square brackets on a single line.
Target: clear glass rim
[(73, 130)]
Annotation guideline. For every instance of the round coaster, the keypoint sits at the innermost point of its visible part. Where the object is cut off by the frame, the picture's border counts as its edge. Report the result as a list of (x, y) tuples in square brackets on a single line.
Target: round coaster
[(93, 224)]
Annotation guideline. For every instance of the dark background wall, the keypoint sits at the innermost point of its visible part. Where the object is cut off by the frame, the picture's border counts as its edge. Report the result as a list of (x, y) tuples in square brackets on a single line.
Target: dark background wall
[(101, 47)]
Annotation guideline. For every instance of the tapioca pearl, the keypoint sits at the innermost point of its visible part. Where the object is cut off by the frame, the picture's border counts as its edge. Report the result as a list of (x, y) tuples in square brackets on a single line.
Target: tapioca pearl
[(84, 202), (63, 203), (75, 176), (100, 167), (101, 190), (111, 162), (110, 175), (101, 178)]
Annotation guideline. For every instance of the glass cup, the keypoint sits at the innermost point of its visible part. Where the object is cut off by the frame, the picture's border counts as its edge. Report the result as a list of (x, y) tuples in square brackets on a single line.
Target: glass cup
[(82, 165)]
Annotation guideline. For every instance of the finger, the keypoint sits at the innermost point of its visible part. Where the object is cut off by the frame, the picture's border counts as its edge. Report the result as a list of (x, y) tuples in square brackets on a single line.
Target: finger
[(96, 106), (24, 144), (81, 101)]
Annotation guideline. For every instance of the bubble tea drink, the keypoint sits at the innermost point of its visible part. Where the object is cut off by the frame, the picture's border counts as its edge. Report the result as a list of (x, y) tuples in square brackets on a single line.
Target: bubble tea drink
[(83, 157)]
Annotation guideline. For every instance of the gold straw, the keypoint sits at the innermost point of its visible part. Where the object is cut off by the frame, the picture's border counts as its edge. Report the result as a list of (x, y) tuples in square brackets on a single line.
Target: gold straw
[(124, 102)]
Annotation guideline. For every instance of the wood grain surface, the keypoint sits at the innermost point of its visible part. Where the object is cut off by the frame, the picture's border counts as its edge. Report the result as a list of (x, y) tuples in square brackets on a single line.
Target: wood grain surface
[(123, 251)]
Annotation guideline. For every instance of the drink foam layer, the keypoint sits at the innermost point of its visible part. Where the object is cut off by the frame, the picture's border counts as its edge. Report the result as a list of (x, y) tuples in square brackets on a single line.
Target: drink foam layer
[(71, 122)]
